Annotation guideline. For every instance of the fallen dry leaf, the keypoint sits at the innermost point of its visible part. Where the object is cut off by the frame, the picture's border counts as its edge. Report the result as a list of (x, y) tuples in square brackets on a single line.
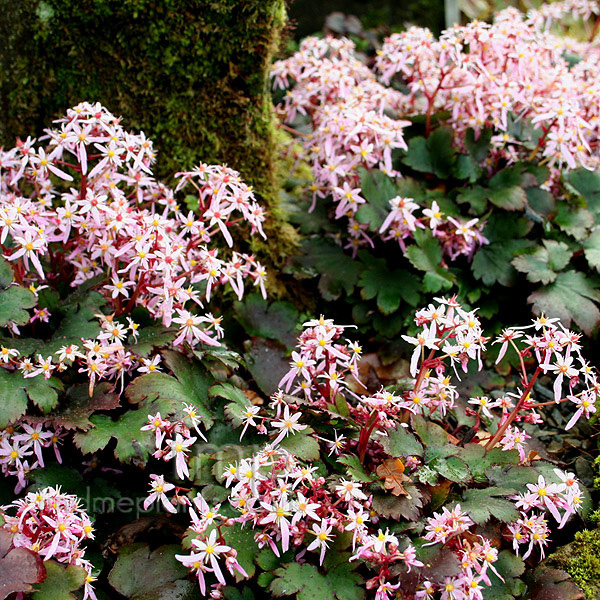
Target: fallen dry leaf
[(392, 470), (254, 398)]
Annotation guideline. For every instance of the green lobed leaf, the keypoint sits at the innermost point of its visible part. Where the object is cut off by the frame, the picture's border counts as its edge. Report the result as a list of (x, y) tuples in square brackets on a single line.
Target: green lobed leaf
[(43, 392), (542, 263), (78, 405), (587, 184), (442, 151), (510, 567), (60, 582), (400, 507), (574, 220), (6, 273), (97, 437), (354, 469), (571, 297), (430, 433), (307, 583), (478, 460), (476, 197), (142, 574), (541, 201), (400, 442), (388, 287), (242, 539), (591, 249), (266, 360), (466, 167), (338, 272), (191, 386), (492, 262), (478, 147), (132, 443), (277, 321), (482, 504), (427, 256), (149, 338), (510, 198), (229, 392), (514, 478), (302, 445), (453, 469), (14, 302), (13, 402), (436, 154), (378, 189)]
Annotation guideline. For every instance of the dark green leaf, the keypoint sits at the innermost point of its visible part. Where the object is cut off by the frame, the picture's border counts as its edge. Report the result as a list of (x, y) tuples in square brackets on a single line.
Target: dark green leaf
[(480, 147), (401, 442), (453, 469), (542, 262), (482, 504), (302, 445), (14, 302), (389, 287), (354, 469), (306, 583), (476, 197), (572, 297), (60, 582), (378, 189), (575, 221), (430, 433), (142, 574), (338, 272), (43, 392), (14, 399), (155, 336), (242, 539), (467, 168), (277, 321), (267, 363), (592, 249), (508, 198), (491, 262), (541, 201), (6, 273), (427, 256), (587, 184), (191, 385)]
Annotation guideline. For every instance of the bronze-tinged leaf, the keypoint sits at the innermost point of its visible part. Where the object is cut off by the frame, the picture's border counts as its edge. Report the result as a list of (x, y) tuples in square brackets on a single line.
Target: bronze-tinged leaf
[(392, 470), (79, 406), (552, 584), (19, 567)]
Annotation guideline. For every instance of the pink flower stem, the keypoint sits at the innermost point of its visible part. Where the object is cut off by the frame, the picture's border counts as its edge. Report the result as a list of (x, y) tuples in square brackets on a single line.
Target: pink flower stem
[(515, 411)]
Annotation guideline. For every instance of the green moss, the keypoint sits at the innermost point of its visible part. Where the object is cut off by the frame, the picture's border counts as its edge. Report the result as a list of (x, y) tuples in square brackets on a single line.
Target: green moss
[(193, 75), (581, 559)]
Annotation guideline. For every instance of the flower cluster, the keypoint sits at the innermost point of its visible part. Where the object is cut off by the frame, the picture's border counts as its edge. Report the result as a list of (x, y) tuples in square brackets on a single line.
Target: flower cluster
[(174, 439), (351, 128), (119, 223), (81, 204), (532, 528), (495, 76), (53, 525), (290, 507), (21, 449), (293, 505)]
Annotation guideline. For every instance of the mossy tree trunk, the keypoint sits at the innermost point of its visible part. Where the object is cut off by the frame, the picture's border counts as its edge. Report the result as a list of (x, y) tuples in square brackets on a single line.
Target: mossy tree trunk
[(193, 75)]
